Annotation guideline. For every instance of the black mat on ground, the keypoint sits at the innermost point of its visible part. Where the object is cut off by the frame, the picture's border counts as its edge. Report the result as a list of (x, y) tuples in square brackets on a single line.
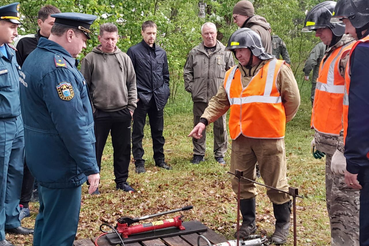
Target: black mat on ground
[(191, 227)]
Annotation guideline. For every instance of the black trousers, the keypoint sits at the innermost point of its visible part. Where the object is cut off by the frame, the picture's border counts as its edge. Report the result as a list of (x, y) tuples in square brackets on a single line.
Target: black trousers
[(119, 125), (156, 119), (27, 186)]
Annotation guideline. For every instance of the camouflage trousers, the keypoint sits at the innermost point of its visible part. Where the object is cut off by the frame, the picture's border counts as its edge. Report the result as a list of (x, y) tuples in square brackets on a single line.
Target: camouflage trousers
[(343, 208), (343, 203)]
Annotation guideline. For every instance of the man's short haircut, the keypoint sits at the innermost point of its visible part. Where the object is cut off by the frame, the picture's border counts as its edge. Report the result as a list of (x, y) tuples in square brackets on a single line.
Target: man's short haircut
[(46, 11), (147, 24), (60, 29), (210, 24), (108, 27)]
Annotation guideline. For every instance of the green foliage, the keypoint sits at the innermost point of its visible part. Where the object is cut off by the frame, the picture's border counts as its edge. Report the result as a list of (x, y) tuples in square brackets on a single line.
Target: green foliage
[(179, 24)]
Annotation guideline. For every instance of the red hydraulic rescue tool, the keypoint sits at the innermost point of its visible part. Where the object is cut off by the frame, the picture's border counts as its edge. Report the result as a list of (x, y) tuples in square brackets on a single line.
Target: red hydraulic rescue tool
[(125, 227)]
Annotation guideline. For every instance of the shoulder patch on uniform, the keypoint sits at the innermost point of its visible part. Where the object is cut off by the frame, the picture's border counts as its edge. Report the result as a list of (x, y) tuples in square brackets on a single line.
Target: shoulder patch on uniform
[(59, 61), (65, 91)]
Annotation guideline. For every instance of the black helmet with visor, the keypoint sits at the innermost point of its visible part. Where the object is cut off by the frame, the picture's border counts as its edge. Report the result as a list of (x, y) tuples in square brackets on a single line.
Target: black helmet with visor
[(247, 38), (320, 17)]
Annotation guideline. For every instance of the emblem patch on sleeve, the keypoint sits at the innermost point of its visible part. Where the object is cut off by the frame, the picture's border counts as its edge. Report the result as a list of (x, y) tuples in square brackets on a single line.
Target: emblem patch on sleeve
[(65, 91)]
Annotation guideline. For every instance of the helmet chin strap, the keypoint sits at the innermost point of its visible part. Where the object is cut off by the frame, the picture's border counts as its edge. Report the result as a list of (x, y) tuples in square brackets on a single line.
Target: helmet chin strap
[(359, 31), (335, 39), (249, 64)]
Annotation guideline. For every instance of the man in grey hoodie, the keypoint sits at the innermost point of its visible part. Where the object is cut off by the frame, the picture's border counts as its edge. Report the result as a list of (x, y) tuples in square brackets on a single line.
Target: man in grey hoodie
[(111, 80)]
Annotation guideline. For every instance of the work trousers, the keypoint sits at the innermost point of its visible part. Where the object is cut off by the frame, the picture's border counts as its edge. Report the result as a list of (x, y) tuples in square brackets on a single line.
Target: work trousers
[(219, 132), (11, 172), (270, 156), (156, 120), (363, 178), (57, 219), (118, 123)]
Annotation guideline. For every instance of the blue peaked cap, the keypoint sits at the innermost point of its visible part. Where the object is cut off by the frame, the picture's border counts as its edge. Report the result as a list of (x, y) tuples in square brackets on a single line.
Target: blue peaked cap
[(76, 20), (10, 13)]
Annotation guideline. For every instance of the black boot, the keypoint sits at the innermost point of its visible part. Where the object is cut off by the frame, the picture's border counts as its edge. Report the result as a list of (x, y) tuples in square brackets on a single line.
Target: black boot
[(282, 213), (248, 227)]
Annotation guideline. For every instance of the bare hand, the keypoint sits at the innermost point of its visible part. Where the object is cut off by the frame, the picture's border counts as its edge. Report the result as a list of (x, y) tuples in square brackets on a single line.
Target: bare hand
[(306, 78), (93, 180), (197, 131), (351, 180)]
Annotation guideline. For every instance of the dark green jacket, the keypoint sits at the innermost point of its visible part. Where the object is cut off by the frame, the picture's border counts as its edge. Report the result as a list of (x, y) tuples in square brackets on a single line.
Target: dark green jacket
[(313, 62), (280, 49), (204, 73)]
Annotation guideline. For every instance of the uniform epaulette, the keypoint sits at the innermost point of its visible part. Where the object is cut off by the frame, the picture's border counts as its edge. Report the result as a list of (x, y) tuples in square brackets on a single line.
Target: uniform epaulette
[(59, 61), (11, 46)]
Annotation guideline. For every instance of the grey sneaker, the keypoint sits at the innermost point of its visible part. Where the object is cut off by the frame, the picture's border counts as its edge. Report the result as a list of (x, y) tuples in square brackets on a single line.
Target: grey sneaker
[(220, 160), (24, 212), (5, 243)]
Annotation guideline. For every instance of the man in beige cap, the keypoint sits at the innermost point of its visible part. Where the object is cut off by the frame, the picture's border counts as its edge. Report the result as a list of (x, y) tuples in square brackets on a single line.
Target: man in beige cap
[(244, 16)]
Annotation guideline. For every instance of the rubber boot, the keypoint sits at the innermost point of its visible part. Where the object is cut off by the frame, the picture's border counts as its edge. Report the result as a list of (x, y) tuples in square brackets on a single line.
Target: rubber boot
[(282, 213), (248, 227)]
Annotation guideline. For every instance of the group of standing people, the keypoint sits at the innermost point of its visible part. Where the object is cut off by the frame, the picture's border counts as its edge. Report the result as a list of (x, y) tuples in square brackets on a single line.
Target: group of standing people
[(327, 114), (125, 86)]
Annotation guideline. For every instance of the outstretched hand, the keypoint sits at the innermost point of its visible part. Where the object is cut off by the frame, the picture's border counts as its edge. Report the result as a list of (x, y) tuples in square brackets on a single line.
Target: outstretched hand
[(197, 131)]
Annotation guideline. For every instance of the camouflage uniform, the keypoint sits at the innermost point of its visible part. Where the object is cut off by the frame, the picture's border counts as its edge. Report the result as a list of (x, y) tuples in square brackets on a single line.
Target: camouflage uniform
[(280, 49), (313, 63), (342, 201)]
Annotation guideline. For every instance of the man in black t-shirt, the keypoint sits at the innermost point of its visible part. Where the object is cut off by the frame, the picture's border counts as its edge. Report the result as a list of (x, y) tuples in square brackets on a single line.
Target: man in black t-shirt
[(28, 43)]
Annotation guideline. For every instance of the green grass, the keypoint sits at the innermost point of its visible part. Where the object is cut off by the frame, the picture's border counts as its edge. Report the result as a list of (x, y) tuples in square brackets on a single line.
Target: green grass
[(206, 186)]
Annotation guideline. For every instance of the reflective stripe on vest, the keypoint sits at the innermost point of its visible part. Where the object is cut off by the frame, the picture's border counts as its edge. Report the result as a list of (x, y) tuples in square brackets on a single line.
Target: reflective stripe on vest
[(327, 109), (347, 88), (256, 110)]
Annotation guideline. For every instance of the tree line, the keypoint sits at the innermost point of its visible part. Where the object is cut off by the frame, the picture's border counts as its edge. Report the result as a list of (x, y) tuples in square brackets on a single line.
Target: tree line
[(179, 24)]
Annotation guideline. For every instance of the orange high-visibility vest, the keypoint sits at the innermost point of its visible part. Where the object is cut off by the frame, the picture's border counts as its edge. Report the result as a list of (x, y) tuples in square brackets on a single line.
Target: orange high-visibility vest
[(256, 110), (327, 110), (347, 88)]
